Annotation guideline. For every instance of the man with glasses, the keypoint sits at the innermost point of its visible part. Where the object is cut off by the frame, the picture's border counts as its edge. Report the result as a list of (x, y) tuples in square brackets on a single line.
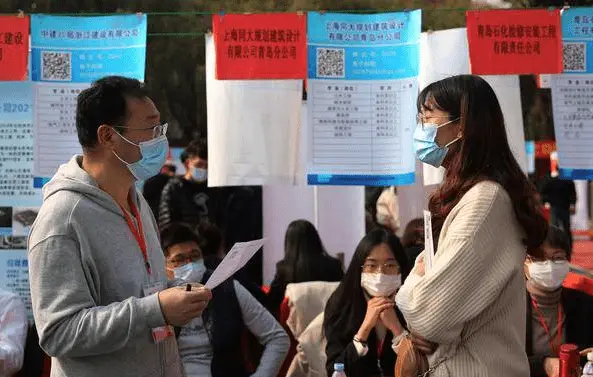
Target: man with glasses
[(211, 346), (97, 272)]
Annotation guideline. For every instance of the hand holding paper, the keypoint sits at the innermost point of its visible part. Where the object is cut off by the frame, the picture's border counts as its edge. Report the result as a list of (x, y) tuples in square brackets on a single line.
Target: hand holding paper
[(238, 257)]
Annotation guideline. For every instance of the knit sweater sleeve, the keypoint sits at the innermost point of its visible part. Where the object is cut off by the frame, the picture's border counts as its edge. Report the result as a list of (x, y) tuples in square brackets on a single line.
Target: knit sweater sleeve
[(470, 270)]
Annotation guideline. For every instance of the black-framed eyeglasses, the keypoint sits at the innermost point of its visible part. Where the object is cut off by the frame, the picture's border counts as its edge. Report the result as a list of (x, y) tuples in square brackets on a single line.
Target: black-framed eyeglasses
[(158, 130), (192, 256)]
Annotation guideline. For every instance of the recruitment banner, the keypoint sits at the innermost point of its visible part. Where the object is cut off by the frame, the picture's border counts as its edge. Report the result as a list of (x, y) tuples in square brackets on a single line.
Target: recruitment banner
[(572, 100), (19, 201), (504, 42), (260, 46), (14, 47), (361, 93), (69, 53)]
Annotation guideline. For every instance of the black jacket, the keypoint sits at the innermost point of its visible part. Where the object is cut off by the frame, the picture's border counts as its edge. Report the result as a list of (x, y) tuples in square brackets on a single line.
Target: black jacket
[(188, 202), (326, 269), (577, 307), (223, 316), (340, 350), (152, 191)]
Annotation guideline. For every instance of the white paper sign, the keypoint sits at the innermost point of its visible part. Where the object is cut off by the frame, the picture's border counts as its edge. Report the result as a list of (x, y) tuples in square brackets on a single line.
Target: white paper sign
[(253, 128), (444, 54), (428, 241), (235, 259)]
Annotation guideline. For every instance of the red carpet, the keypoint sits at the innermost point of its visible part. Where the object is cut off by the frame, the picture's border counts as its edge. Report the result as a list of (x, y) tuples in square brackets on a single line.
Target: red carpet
[(582, 254)]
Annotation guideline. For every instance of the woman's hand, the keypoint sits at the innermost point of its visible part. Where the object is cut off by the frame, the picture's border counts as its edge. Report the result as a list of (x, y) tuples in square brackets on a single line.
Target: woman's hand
[(419, 266), (390, 320), (423, 345), (552, 366), (375, 307)]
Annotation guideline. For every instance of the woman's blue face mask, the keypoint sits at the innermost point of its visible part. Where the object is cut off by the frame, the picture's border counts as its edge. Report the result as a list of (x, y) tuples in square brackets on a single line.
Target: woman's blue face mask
[(425, 146)]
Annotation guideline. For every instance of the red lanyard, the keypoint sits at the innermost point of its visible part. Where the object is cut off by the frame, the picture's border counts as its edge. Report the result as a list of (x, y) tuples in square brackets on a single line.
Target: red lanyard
[(380, 348), (138, 233), (542, 320)]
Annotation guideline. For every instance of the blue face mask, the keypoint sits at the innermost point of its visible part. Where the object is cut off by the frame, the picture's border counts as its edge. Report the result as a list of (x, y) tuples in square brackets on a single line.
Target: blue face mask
[(425, 146), (199, 174), (154, 154), (192, 272)]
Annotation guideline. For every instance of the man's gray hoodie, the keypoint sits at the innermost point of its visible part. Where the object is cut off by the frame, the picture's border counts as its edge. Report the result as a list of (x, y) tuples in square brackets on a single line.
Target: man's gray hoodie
[(87, 276)]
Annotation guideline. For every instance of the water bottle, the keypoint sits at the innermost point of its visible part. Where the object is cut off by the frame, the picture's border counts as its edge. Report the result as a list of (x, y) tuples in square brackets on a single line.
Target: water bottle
[(339, 370), (588, 370)]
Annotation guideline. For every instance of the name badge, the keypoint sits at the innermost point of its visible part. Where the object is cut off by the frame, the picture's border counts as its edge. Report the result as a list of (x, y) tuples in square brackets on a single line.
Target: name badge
[(161, 333)]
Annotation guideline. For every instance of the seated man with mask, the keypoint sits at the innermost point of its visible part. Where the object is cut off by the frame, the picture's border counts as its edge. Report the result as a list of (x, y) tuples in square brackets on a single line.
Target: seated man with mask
[(211, 345), (555, 314)]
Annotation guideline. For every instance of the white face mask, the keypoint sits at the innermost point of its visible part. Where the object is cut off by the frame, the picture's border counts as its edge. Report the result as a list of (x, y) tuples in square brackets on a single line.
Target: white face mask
[(548, 275), (380, 285), (191, 272)]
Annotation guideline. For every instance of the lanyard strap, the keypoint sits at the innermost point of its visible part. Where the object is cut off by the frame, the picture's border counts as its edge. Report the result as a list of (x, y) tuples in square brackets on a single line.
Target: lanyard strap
[(138, 233), (542, 321)]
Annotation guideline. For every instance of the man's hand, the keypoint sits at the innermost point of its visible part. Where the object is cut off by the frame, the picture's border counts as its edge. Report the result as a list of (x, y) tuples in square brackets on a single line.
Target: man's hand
[(423, 345), (573, 209), (552, 366), (180, 306)]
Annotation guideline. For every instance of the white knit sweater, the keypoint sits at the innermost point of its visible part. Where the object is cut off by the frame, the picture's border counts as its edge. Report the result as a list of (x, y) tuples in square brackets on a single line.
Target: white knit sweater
[(472, 301)]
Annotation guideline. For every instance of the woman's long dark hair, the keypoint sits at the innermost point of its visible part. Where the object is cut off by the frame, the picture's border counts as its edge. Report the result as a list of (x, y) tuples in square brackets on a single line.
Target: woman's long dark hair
[(483, 153), (303, 250), (347, 306)]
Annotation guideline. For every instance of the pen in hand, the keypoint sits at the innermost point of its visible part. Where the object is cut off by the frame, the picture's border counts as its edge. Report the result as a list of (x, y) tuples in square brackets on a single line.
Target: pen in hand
[(177, 330)]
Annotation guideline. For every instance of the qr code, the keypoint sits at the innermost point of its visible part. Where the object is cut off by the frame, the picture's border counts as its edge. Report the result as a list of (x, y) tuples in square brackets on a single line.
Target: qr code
[(56, 66), (330, 62), (575, 57)]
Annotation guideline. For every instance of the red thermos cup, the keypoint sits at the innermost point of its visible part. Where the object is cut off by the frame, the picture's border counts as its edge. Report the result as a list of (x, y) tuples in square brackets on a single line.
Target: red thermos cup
[(569, 360)]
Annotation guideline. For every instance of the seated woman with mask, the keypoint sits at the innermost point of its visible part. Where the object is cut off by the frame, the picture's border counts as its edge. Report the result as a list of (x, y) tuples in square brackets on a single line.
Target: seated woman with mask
[(211, 345), (555, 315), (361, 323)]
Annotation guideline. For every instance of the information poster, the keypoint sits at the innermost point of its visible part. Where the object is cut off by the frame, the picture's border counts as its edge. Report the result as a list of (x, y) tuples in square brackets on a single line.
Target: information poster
[(69, 53), (362, 89), (572, 103), (503, 42), (14, 48), (572, 96), (260, 46), (19, 201), (577, 36)]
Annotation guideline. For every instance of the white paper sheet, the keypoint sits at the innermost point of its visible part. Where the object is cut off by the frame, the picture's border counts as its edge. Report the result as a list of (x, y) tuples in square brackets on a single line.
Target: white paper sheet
[(428, 241), (253, 128), (444, 54), (236, 258)]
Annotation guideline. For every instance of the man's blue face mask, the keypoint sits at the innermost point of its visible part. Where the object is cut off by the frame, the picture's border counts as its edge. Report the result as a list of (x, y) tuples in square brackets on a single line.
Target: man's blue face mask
[(154, 154)]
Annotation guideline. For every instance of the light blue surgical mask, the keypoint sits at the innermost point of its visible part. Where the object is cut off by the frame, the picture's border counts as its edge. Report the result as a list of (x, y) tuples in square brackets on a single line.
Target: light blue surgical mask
[(425, 146), (199, 174), (154, 155), (192, 272)]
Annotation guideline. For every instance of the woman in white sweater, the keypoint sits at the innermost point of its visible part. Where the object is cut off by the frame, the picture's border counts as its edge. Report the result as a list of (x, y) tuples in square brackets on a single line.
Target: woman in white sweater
[(471, 302)]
